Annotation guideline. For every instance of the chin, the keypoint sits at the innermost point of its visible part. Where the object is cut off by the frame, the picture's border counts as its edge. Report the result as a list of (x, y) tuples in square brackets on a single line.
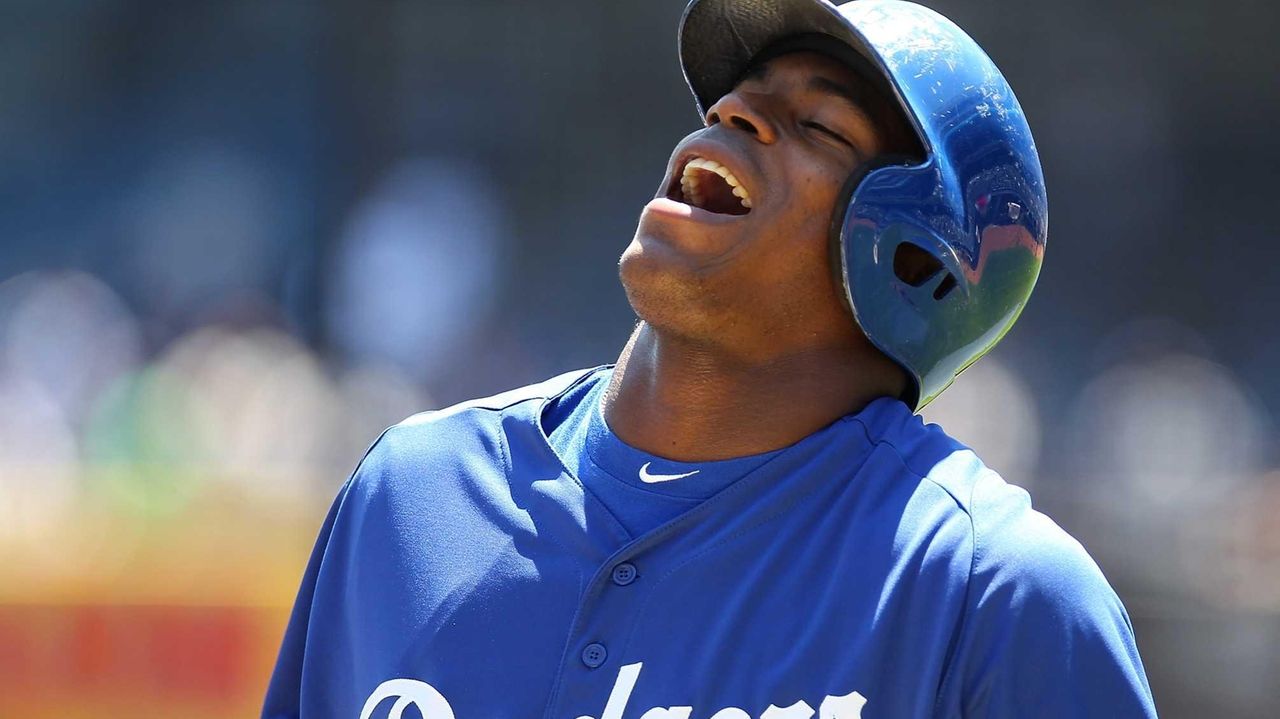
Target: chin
[(668, 293)]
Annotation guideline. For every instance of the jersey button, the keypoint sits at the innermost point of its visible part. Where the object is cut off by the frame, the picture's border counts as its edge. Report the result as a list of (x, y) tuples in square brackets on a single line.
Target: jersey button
[(624, 574), (594, 654)]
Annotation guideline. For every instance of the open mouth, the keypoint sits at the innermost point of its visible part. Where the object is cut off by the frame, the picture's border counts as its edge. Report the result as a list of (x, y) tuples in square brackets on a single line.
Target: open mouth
[(708, 185)]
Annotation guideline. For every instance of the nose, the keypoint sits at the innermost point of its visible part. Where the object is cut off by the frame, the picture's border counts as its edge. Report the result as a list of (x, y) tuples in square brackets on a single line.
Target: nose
[(745, 113)]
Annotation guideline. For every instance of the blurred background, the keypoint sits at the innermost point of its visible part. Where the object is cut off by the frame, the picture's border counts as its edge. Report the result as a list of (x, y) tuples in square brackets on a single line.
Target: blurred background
[(237, 239)]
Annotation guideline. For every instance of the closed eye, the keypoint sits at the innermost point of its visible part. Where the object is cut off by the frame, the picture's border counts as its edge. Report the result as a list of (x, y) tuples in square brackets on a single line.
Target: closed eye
[(827, 131)]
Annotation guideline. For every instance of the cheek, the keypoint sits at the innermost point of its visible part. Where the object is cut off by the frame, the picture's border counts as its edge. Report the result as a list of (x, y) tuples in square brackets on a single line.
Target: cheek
[(797, 259), (804, 225), (815, 181)]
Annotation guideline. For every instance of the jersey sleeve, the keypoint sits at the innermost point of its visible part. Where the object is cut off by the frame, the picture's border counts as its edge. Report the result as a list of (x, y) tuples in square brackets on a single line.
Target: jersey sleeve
[(284, 691), (1044, 634)]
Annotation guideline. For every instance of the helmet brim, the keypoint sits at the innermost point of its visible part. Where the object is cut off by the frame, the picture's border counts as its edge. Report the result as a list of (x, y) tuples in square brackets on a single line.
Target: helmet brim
[(719, 38)]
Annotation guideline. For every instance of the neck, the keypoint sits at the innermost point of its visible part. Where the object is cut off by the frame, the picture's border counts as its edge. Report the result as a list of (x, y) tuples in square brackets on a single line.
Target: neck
[(690, 402)]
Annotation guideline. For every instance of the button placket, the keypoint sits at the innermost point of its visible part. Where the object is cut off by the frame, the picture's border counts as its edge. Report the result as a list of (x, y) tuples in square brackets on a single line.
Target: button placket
[(595, 654), (606, 614)]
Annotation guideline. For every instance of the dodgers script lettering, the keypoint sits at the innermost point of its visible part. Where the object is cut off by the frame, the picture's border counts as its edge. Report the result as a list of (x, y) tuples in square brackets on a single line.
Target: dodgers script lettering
[(432, 704)]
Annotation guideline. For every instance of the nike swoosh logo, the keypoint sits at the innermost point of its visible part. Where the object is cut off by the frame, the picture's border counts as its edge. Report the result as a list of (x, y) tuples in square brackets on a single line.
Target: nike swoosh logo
[(648, 478)]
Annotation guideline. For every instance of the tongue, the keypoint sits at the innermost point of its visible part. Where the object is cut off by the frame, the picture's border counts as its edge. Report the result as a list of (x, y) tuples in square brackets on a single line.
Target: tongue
[(717, 196)]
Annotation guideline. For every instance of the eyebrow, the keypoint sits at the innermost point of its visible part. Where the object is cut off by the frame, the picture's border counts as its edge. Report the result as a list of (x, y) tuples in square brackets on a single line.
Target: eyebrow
[(835, 89), (757, 71), (818, 83)]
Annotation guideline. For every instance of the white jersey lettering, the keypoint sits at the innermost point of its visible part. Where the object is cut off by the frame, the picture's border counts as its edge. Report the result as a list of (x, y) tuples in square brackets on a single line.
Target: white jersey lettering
[(799, 710), (432, 704), (668, 713), (848, 706), (731, 713)]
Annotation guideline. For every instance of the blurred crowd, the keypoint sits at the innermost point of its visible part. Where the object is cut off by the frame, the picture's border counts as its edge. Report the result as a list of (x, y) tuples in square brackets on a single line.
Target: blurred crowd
[(238, 240)]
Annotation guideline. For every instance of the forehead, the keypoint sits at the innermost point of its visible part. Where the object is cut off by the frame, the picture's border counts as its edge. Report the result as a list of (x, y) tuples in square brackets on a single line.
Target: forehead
[(801, 65), (809, 72)]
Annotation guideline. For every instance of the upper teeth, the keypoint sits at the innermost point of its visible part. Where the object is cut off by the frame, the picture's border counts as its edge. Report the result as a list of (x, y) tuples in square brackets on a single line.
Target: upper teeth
[(689, 181)]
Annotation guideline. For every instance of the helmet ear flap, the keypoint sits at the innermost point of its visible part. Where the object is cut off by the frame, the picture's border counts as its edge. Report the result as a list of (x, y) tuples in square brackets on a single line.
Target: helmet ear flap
[(916, 259), (840, 214), (903, 281)]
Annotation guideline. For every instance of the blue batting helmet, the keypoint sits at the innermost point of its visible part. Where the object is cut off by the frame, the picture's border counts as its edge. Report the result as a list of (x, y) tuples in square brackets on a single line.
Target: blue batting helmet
[(974, 207)]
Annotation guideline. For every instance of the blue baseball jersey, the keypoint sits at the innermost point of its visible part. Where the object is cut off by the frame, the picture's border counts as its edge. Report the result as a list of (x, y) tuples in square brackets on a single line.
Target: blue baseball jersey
[(875, 569)]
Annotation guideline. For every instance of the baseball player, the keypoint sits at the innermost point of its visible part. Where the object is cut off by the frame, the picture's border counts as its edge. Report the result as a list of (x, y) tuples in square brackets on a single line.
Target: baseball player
[(744, 518)]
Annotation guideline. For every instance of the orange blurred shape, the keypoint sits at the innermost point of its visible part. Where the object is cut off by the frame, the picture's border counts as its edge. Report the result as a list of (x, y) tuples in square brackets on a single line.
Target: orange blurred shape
[(82, 660)]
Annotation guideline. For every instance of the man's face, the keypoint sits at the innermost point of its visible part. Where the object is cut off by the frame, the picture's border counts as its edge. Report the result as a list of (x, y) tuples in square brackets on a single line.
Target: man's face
[(755, 277)]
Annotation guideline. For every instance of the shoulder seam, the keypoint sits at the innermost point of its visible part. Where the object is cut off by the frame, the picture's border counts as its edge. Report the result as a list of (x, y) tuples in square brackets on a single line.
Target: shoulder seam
[(487, 405), (962, 506)]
